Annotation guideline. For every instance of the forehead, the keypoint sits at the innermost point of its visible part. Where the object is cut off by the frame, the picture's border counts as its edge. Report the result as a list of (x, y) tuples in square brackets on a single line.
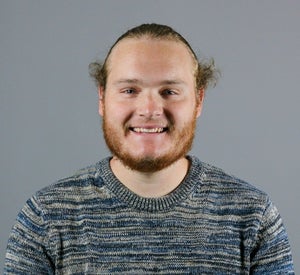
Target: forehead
[(146, 54), (144, 40)]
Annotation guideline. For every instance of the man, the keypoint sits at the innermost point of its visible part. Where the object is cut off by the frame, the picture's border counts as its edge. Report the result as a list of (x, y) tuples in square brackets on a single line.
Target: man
[(150, 208)]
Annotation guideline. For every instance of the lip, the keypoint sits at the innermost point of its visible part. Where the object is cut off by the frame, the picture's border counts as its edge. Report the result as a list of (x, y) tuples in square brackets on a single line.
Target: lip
[(148, 129)]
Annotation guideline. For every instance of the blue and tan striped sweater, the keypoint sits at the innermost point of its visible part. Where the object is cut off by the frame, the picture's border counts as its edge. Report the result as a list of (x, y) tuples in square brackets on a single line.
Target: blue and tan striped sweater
[(90, 223)]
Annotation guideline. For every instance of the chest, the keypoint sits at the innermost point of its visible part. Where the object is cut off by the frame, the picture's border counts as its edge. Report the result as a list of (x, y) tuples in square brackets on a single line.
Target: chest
[(152, 243)]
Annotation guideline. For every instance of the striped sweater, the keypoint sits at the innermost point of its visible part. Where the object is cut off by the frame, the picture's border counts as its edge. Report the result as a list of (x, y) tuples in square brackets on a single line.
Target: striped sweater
[(90, 223)]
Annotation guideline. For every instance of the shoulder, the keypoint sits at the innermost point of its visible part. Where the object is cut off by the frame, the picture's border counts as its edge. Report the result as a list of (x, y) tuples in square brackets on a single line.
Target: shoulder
[(74, 189), (228, 187), (78, 180), (235, 201)]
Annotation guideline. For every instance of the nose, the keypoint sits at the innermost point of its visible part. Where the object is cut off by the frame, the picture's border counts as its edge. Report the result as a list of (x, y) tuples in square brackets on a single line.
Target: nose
[(149, 105)]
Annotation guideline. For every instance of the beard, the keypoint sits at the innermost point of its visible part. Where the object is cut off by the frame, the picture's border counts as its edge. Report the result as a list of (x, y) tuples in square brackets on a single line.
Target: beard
[(182, 140)]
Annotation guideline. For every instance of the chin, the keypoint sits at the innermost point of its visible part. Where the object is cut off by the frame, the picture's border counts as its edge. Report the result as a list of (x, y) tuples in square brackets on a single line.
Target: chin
[(148, 164)]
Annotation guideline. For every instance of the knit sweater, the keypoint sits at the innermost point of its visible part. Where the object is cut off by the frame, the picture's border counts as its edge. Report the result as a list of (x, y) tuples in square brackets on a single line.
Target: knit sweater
[(90, 223)]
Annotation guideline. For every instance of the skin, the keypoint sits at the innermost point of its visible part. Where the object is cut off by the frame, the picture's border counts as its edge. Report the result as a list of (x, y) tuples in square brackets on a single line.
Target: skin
[(149, 111)]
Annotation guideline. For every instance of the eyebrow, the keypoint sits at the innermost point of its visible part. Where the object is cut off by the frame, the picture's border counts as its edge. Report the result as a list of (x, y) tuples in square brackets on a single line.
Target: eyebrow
[(127, 80), (140, 82)]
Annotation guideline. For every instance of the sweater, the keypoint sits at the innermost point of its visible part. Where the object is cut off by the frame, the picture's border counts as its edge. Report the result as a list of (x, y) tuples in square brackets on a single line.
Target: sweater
[(90, 223)]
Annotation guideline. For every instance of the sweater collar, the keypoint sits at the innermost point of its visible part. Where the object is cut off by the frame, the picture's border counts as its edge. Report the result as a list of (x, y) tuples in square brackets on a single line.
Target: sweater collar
[(193, 178)]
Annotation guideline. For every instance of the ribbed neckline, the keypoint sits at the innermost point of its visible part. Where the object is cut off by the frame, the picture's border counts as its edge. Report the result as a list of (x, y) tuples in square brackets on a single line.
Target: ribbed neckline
[(192, 178)]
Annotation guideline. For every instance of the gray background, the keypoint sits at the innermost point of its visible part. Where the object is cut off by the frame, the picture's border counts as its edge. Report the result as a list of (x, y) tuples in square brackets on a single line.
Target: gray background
[(48, 104)]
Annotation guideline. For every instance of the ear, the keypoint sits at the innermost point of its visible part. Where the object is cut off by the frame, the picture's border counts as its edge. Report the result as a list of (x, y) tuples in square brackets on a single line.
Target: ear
[(200, 99), (101, 101)]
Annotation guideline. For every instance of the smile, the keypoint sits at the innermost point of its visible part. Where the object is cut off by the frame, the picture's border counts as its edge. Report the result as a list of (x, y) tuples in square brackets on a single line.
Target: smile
[(148, 130)]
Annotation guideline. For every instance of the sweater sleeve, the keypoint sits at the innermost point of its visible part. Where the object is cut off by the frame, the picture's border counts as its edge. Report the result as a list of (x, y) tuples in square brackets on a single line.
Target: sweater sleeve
[(27, 247), (272, 254)]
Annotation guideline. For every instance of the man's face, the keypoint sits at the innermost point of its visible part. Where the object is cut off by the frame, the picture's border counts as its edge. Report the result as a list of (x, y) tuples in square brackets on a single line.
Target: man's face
[(150, 105)]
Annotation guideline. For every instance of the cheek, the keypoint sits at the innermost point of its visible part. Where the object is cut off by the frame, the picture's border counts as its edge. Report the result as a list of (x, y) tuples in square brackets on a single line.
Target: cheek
[(115, 114), (186, 112)]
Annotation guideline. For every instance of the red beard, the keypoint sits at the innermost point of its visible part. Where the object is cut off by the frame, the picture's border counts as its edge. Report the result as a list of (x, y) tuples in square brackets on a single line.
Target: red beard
[(182, 143)]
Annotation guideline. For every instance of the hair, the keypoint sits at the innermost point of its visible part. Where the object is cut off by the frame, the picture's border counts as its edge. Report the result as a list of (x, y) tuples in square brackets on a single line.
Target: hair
[(205, 73)]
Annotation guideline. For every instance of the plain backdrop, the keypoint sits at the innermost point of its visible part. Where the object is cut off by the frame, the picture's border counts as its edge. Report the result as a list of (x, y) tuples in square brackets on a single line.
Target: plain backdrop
[(48, 104)]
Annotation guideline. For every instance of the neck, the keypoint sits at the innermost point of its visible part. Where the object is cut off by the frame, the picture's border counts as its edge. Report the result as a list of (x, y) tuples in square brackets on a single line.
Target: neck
[(151, 185)]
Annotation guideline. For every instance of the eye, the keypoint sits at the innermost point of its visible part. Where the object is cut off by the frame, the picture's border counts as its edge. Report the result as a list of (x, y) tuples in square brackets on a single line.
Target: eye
[(168, 92), (129, 91)]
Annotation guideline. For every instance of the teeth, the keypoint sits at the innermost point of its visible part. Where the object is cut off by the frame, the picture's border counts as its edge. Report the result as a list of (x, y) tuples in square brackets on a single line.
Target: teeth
[(148, 130)]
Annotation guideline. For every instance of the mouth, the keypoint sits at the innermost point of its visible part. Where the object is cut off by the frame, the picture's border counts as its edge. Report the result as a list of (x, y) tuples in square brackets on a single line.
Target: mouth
[(156, 130)]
